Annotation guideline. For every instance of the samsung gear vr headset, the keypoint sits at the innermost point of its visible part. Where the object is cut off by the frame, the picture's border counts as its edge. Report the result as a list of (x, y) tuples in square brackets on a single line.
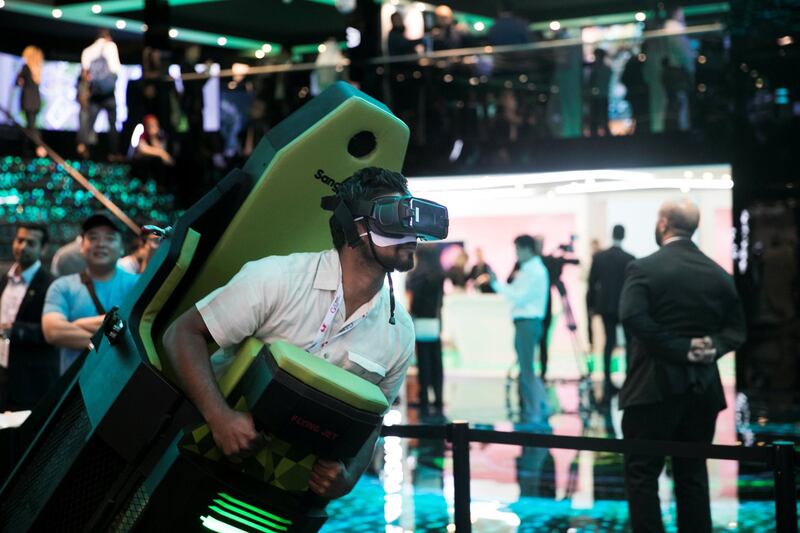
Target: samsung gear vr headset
[(394, 217)]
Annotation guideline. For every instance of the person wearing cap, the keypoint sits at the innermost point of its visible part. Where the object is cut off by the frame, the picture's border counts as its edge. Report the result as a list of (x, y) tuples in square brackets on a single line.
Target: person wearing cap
[(76, 304), (333, 304)]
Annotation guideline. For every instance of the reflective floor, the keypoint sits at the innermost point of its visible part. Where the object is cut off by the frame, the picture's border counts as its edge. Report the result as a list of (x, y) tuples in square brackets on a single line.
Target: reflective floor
[(521, 490)]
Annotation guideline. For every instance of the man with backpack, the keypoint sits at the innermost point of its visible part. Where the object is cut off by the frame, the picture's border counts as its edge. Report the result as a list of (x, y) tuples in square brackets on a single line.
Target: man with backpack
[(100, 67)]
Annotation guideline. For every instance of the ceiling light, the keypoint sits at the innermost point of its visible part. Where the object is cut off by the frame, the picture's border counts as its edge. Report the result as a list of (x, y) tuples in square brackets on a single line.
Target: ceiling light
[(478, 181), (144, 27), (260, 54), (121, 24), (642, 185), (688, 174), (173, 33), (555, 25), (479, 26), (57, 13), (2, 4), (708, 175), (97, 9), (640, 16), (267, 48), (222, 41), (321, 48), (353, 37)]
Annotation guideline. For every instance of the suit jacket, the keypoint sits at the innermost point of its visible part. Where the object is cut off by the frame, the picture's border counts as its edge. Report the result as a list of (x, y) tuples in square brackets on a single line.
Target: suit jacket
[(32, 363), (606, 278), (670, 297)]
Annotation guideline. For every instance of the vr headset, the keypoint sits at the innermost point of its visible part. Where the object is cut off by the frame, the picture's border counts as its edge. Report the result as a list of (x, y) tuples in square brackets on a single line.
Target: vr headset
[(393, 217)]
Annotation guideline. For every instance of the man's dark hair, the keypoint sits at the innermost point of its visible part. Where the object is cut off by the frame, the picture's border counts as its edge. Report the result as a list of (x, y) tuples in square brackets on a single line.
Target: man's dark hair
[(526, 241), (34, 227), (365, 184), (618, 233), (103, 33)]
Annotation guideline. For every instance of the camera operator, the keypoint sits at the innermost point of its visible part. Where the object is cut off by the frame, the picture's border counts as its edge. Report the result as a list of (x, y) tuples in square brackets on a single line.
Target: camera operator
[(528, 295)]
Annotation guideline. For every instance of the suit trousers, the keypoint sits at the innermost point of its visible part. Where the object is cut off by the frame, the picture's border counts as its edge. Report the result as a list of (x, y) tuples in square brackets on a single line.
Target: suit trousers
[(610, 323), (690, 418), (527, 333)]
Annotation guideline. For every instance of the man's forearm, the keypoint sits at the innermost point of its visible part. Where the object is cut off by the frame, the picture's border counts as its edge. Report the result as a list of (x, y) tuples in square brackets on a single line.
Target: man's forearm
[(660, 343), (188, 353), (65, 334)]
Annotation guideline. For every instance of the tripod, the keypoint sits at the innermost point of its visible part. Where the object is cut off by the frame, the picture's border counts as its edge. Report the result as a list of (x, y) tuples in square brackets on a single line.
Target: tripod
[(586, 400)]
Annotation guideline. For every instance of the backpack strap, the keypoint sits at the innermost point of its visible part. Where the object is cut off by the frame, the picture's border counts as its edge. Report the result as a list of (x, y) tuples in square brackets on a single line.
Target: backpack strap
[(86, 280)]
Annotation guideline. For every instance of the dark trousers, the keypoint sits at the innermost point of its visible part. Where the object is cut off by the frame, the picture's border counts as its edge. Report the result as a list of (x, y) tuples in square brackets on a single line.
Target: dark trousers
[(109, 105), (598, 114), (30, 125), (610, 323), (527, 332), (431, 373), (544, 342), (690, 418)]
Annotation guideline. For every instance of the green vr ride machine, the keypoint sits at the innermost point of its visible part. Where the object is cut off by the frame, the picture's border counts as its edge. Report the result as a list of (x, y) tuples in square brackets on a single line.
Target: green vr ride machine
[(122, 449)]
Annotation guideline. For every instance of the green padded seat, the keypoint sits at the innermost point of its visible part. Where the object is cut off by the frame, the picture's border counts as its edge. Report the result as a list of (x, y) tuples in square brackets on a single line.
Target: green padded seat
[(329, 379)]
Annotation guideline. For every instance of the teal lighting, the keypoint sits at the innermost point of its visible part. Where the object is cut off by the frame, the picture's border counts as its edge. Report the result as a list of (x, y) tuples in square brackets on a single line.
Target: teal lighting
[(82, 14), (41, 191)]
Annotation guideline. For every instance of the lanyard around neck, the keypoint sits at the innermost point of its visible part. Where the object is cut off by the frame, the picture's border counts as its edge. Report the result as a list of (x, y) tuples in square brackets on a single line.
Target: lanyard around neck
[(323, 333)]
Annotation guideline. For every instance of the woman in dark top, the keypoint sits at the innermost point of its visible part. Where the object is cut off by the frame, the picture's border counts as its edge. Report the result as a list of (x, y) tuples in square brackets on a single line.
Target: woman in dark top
[(28, 79), (425, 287)]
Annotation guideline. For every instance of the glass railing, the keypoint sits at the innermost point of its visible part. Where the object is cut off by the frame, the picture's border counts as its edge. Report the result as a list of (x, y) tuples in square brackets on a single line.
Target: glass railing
[(486, 105)]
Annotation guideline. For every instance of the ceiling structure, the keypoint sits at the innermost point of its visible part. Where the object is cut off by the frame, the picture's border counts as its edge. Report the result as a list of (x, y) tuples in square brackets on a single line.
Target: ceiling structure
[(241, 27)]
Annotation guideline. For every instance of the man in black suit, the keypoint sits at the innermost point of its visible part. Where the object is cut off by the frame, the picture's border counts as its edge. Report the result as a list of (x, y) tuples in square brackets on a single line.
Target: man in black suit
[(683, 313), (32, 363), (605, 286)]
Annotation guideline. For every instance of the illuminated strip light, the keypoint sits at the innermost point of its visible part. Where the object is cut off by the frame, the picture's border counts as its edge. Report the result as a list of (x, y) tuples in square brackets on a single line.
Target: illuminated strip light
[(250, 515), (241, 520), (477, 181), (209, 522), (682, 184), (255, 509)]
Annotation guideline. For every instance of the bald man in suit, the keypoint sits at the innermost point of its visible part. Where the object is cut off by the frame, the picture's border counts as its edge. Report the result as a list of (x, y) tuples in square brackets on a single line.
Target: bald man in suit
[(683, 313)]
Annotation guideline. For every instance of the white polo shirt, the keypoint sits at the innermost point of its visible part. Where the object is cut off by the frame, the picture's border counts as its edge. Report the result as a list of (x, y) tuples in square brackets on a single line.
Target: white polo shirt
[(287, 298)]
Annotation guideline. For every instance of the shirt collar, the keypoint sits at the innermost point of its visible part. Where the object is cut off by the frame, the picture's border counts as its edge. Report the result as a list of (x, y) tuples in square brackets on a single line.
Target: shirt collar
[(27, 274), (674, 239), (329, 276), (329, 271)]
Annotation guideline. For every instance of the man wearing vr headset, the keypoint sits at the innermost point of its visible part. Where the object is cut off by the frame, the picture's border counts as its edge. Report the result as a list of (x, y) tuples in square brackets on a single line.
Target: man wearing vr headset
[(332, 304)]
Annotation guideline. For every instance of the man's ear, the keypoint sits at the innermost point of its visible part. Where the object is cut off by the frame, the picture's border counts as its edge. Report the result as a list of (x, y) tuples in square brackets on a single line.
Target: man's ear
[(362, 227)]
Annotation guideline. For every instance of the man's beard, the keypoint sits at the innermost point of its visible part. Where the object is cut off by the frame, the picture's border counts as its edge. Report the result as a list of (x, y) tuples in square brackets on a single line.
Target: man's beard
[(404, 265), (396, 261)]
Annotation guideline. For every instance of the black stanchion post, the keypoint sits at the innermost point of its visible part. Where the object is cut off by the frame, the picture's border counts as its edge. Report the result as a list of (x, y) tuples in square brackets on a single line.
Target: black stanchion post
[(785, 492), (459, 436)]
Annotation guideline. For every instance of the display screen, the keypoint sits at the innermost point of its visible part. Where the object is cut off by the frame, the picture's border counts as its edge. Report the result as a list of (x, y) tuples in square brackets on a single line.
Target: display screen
[(58, 89)]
